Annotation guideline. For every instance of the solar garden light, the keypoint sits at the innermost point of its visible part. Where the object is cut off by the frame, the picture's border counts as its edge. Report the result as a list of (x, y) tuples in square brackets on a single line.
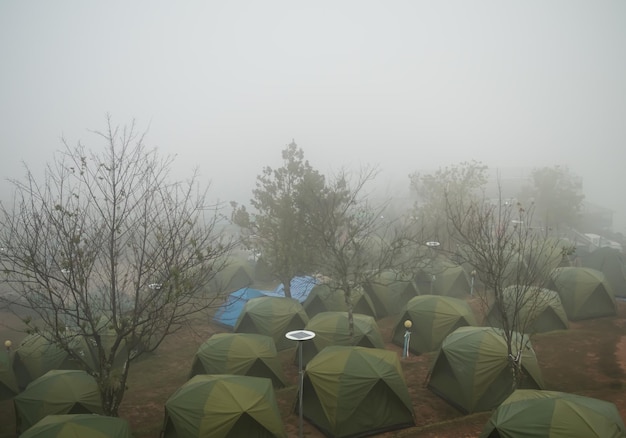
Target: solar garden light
[(300, 336), (7, 345), (473, 275), (407, 337)]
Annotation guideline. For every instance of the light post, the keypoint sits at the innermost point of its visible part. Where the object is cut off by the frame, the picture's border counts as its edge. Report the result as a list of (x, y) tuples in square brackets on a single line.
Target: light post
[(300, 336), (432, 245), (407, 338)]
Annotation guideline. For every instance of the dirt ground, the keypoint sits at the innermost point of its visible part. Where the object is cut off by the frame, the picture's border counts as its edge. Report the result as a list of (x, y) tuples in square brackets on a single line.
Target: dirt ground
[(588, 359)]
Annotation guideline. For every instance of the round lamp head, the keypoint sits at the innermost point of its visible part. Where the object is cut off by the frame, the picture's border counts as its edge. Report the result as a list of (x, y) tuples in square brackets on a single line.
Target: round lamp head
[(408, 324), (8, 343)]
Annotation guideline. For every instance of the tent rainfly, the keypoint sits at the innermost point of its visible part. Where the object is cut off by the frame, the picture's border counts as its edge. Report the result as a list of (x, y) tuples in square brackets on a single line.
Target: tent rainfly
[(332, 328), (245, 354), (272, 316), (57, 392), (538, 310), (610, 262), (390, 291), (35, 356), (536, 414), (323, 298), (472, 373), (223, 406), (585, 293), (442, 276), (8, 383), (356, 391), (79, 425), (237, 274), (433, 317)]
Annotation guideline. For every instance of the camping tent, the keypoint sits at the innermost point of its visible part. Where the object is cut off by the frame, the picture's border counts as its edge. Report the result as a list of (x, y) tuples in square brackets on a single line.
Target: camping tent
[(584, 292), (331, 328), (237, 274), (35, 356), (538, 309), (442, 276), (57, 392), (433, 317), (221, 406), (323, 298), (471, 370), (272, 316), (300, 287), (79, 425), (610, 262), (8, 383), (244, 354), (538, 414), (356, 391), (548, 254), (228, 313), (86, 345), (390, 291)]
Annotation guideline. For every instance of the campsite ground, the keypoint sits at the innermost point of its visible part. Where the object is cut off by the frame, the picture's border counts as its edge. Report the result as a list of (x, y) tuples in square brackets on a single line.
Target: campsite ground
[(588, 359)]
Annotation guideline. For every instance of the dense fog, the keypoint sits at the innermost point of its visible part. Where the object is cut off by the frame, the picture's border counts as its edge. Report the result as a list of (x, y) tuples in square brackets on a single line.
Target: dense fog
[(404, 85)]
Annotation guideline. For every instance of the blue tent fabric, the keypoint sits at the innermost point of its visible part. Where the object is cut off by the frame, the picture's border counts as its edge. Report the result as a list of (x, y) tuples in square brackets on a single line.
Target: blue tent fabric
[(300, 288), (228, 312)]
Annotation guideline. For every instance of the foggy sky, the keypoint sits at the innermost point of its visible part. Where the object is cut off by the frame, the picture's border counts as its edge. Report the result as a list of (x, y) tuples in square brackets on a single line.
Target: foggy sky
[(407, 85)]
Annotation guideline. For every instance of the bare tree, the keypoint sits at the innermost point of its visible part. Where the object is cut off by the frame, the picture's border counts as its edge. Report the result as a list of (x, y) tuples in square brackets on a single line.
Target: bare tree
[(354, 242), (456, 181), (107, 250), (512, 260)]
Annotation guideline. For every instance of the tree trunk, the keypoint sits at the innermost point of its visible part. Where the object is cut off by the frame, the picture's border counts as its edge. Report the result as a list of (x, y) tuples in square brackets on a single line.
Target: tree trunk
[(348, 298), (112, 389), (287, 286)]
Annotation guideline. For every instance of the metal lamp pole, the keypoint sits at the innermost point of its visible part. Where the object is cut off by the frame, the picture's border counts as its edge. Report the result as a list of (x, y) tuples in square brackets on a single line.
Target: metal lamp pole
[(300, 336)]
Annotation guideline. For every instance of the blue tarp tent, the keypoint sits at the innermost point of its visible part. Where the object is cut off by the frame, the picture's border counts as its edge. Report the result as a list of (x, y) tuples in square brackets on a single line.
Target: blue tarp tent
[(228, 312), (300, 288)]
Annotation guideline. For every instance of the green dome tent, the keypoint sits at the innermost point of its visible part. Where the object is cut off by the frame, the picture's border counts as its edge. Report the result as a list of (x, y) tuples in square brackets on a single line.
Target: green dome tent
[(472, 373), (8, 382), (223, 406), (610, 262), (356, 391), (245, 354), (548, 254), (35, 356), (237, 274), (433, 317), (323, 298), (272, 316), (538, 310), (584, 292), (390, 291), (57, 392), (441, 276), (331, 328), (79, 425), (538, 414), (88, 350)]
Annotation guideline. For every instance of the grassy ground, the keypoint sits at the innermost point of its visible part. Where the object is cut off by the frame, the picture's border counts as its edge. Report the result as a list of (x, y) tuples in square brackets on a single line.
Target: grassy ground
[(586, 359)]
